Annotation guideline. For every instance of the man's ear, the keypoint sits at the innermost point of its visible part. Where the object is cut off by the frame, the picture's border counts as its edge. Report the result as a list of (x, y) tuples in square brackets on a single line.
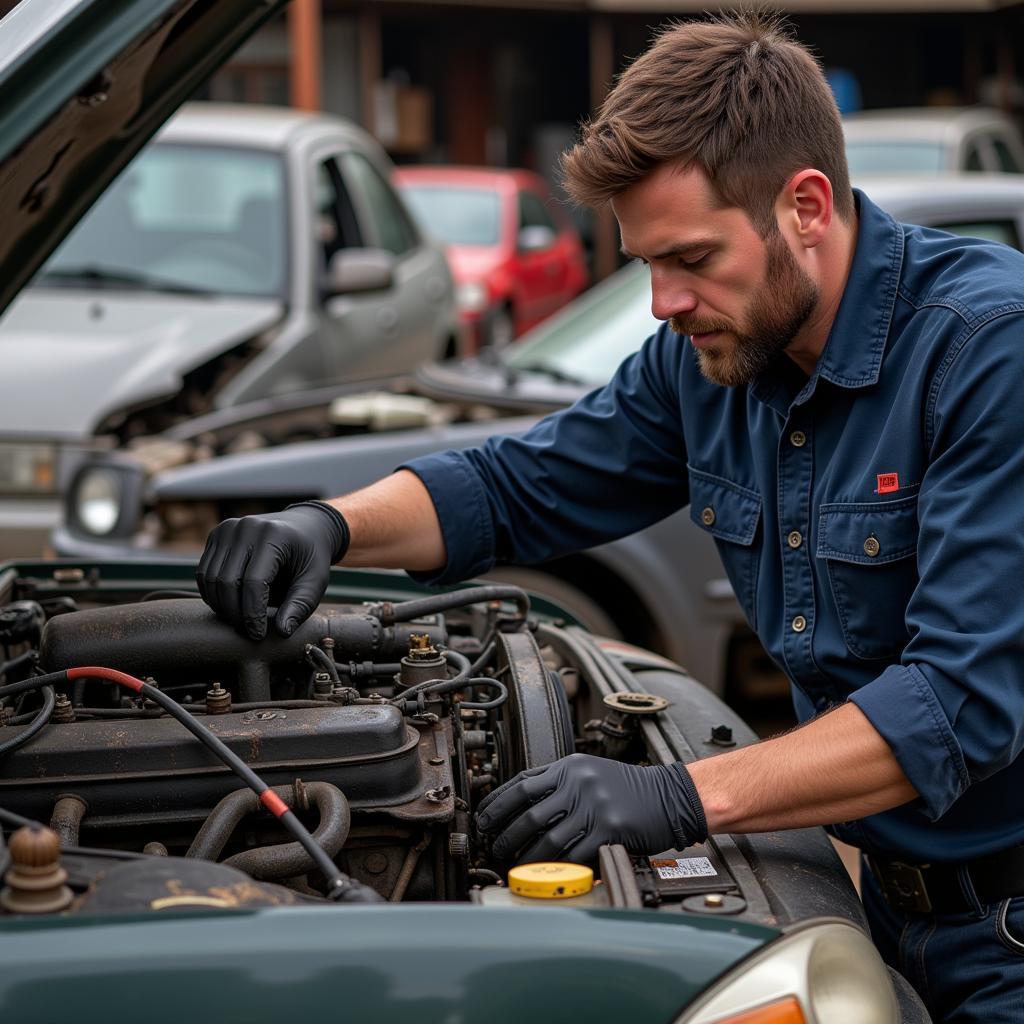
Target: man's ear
[(804, 207)]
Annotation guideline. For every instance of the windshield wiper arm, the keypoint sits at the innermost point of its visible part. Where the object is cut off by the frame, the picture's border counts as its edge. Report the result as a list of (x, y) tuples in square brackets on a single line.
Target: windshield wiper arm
[(119, 278)]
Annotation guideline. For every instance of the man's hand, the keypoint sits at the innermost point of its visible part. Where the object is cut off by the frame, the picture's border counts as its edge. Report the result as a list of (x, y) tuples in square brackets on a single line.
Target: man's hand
[(568, 809), (294, 548)]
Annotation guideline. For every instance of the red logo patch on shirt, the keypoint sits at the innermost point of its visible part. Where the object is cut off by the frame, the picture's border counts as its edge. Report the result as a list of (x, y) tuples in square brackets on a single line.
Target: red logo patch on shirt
[(888, 482)]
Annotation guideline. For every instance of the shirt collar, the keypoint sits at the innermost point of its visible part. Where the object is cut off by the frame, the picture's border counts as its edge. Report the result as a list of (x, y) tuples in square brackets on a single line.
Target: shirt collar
[(852, 357)]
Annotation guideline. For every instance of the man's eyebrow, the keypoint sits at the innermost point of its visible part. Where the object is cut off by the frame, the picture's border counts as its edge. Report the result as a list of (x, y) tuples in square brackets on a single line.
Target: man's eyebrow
[(699, 245)]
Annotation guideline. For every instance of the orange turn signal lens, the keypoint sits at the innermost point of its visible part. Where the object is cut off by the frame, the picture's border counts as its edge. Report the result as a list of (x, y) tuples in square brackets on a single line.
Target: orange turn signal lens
[(786, 1011)]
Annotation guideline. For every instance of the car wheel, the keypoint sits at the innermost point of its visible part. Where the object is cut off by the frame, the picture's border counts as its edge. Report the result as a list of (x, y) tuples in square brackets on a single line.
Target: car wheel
[(501, 330), (583, 607)]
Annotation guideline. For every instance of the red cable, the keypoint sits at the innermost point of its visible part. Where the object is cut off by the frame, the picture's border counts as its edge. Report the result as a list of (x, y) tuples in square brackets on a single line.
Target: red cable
[(111, 674)]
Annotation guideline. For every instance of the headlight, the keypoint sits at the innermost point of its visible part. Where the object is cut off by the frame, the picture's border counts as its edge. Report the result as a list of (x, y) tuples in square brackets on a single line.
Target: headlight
[(98, 500), (471, 296), (28, 468), (824, 972)]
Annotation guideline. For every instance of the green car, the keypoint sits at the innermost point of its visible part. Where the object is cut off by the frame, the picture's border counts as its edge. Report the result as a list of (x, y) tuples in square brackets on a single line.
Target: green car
[(196, 826)]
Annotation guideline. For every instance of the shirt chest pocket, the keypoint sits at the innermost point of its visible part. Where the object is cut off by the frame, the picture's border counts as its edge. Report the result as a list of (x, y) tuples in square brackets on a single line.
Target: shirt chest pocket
[(731, 514), (869, 550)]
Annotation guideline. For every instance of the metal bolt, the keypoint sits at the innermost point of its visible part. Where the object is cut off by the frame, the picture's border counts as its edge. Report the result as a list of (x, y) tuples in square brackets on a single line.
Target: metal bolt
[(714, 899), (721, 736), (375, 863), (62, 709), (218, 700), (436, 760), (458, 845)]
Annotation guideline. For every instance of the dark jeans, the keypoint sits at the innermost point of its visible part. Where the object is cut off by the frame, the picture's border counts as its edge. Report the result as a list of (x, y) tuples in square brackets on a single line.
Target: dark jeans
[(967, 967)]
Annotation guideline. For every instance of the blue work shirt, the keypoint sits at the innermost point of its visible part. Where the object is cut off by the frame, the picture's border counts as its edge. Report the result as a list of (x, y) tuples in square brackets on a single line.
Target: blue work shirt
[(869, 517)]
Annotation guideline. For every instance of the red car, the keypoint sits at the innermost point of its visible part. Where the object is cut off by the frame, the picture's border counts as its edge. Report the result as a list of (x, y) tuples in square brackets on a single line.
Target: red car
[(515, 256)]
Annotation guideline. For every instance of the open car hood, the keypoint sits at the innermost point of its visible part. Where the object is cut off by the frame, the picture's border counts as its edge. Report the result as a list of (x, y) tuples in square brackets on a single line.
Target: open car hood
[(84, 85)]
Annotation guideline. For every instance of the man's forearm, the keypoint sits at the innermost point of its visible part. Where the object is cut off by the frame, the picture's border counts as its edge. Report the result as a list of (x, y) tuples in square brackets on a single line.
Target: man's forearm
[(836, 768), (393, 525)]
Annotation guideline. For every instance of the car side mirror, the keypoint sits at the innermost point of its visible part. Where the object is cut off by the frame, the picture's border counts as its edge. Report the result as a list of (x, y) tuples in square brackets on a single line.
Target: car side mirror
[(353, 271), (536, 238)]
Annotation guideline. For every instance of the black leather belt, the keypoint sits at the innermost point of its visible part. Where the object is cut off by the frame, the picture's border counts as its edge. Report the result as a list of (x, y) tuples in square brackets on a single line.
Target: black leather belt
[(937, 889)]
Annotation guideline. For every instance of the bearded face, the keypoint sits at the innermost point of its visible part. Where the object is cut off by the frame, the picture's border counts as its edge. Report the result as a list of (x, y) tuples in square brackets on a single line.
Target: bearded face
[(743, 349)]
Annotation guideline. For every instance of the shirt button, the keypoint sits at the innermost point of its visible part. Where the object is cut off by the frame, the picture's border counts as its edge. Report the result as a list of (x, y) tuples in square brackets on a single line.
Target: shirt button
[(798, 439), (799, 624), (872, 547), (707, 517), (794, 539)]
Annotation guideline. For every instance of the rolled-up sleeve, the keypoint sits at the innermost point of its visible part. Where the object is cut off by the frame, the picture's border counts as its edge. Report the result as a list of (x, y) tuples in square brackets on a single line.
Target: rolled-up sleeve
[(611, 464), (953, 710)]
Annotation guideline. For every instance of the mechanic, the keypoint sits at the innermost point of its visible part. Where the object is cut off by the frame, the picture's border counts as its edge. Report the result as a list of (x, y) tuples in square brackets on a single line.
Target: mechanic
[(837, 397)]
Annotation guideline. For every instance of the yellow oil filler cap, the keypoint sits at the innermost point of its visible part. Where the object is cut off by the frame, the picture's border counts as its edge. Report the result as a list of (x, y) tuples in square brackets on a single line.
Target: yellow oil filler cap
[(550, 880)]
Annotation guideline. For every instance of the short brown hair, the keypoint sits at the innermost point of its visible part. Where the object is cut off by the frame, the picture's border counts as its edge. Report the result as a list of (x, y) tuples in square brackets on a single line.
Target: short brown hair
[(737, 97)]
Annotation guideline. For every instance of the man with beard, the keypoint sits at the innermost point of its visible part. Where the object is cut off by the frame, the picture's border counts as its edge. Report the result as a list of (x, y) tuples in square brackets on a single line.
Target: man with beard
[(836, 397)]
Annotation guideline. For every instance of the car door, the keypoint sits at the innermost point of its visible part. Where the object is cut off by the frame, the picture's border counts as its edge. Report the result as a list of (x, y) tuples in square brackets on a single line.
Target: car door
[(544, 268), (355, 329), (412, 320)]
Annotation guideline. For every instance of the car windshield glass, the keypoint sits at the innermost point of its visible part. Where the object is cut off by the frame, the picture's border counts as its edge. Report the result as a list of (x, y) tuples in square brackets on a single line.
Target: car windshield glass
[(893, 158), (457, 216), (590, 338), (182, 219)]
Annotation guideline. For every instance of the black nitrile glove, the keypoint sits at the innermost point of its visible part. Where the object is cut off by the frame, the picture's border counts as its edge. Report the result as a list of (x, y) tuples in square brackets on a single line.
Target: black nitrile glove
[(293, 550), (567, 809)]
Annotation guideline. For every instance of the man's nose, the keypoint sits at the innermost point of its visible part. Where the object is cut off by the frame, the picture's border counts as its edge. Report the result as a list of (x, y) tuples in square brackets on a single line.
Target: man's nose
[(669, 300)]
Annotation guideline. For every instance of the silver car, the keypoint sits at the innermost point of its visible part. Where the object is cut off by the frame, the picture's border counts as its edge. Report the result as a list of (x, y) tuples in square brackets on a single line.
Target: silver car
[(932, 140), (663, 587), (246, 252)]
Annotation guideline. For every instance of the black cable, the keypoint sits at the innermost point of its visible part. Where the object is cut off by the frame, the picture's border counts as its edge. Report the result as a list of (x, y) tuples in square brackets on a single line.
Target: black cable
[(316, 655), (488, 705), (18, 821), (439, 685), (35, 683), (490, 646), (40, 720), (405, 611)]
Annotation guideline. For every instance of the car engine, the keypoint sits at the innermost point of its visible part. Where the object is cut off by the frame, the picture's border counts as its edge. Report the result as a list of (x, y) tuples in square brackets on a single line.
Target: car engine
[(380, 726)]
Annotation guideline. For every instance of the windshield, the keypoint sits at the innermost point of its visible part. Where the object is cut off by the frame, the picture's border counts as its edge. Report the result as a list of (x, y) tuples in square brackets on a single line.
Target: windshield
[(590, 338), (182, 218), (456, 216), (893, 158)]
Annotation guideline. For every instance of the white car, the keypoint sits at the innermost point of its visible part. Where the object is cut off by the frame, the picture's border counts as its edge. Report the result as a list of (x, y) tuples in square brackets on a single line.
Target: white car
[(932, 140), (246, 252)]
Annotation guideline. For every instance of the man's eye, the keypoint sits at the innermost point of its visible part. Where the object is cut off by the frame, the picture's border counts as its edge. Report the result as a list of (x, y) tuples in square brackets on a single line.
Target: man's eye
[(695, 261)]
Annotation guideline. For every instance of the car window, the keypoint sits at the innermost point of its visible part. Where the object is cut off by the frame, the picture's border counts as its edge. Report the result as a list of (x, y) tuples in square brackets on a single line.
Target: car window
[(533, 213), (388, 219), (1007, 161), (873, 157), (456, 216), (974, 161), (336, 226), (1004, 231), (197, 217), (587, 342)]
